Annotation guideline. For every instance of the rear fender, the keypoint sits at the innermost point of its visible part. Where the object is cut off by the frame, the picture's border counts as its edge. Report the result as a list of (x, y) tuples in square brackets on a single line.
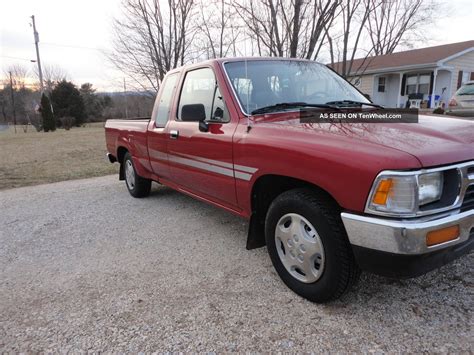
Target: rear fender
[(125, 142), (140, 169)]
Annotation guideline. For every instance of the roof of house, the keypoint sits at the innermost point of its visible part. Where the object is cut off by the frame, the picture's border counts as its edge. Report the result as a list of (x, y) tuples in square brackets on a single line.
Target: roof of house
[(415, 57)]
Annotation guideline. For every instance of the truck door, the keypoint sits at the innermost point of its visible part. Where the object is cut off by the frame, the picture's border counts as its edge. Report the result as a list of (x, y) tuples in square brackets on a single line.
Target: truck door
[(157, 130), (201, 161)]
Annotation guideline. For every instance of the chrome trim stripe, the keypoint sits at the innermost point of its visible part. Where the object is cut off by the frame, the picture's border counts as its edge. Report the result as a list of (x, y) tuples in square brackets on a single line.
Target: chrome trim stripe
[(242, 176), (404, 236), (201, 165), (210, 161), (245, 168), (156, 154), (215, 166)]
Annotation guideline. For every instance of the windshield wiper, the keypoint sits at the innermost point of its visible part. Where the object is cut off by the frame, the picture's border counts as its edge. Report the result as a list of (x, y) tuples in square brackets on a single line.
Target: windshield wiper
[(343, 103), (285, 105)]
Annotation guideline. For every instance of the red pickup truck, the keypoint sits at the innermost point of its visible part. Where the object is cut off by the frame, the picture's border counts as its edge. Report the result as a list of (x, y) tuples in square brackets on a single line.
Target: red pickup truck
[(328, 200)]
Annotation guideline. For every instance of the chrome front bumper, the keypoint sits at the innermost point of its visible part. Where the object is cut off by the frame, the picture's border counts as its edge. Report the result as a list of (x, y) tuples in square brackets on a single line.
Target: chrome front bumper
[(404, 237)]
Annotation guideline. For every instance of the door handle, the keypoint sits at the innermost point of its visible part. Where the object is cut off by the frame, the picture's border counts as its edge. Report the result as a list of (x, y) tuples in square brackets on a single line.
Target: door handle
[(174, 134)]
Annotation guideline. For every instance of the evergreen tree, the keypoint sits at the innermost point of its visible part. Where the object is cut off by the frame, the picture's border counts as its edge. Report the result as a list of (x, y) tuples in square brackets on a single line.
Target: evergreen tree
[(92, 101), (68, 102), (49, 124)]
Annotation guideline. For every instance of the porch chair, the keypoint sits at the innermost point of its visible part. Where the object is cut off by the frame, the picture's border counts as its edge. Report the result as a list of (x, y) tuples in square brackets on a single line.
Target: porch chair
[(415, 100)]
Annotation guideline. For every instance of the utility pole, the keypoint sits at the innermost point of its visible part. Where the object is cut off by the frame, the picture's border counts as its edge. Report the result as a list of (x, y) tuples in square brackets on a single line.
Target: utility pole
[(125, 96), (36, 35), (13, 101)]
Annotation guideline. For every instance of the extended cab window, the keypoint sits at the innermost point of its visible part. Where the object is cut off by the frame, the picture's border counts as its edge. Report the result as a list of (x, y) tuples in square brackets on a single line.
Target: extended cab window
[(200, 87), (164, 105)]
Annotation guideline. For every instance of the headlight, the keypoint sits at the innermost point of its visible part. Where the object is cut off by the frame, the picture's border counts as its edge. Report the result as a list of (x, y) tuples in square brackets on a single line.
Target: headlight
[(430, 187), (402, 194)]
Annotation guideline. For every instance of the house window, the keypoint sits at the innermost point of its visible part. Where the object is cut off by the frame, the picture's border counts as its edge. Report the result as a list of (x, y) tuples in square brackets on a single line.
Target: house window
[(424, 84), (411, 84), (381, 84), (418, 84)]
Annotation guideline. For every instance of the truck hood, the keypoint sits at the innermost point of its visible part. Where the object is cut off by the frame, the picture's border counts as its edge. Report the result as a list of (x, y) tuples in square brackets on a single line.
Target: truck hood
[(434, 140)]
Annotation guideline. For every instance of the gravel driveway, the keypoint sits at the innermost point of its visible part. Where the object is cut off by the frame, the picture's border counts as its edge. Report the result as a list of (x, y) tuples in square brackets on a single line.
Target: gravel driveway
[(83, 266)]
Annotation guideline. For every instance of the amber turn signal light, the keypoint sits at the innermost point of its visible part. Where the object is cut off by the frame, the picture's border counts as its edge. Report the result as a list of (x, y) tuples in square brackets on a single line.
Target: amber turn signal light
[(383, 189), (442, 235)]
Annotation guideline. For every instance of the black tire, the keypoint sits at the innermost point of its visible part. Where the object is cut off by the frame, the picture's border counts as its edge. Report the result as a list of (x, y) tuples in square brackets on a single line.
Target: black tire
[(340, 271), (136, 185)]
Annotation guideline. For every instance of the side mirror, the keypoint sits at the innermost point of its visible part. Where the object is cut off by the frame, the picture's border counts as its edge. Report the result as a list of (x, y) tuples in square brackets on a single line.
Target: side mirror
[(193, 113)]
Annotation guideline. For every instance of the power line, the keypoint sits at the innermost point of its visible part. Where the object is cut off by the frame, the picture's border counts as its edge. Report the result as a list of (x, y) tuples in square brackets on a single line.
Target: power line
[(18, 58), (73, 46)]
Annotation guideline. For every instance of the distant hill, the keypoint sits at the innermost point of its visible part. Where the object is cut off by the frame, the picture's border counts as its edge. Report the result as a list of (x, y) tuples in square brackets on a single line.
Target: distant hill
[(127, 93)]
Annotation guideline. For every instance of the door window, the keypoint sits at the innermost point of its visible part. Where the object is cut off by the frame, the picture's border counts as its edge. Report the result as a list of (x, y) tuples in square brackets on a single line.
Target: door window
[(164, 105), (219, 110), (198, 88)]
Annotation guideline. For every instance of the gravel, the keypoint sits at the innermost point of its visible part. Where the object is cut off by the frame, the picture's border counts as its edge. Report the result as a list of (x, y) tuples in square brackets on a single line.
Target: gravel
[(85, 267)]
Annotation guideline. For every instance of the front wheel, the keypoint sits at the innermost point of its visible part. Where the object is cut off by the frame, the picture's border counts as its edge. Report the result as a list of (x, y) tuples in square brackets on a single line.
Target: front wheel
[(308, 245), (136, 185)]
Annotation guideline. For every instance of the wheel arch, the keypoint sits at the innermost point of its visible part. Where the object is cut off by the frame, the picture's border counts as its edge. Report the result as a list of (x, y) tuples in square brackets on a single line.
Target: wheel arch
[(264, 190)]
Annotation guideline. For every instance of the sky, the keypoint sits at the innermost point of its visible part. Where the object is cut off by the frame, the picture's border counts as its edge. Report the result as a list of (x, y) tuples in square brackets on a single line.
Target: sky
[(75, 34)]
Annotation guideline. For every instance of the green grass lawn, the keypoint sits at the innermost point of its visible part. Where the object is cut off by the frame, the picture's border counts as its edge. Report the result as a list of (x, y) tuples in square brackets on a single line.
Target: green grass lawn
[(38, 158)]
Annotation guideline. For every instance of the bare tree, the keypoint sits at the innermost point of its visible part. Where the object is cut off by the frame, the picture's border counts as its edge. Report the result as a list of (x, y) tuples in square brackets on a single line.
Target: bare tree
[(288, 28), (151, 38), (217, 29), (155, 36), (345, 45), (19, 75), (376, 27), (16, 97), (52, 74), (398, 22)]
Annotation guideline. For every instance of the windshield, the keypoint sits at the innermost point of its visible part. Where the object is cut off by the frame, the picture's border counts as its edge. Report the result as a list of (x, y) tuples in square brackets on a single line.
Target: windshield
[(467, 89), (262, 83)]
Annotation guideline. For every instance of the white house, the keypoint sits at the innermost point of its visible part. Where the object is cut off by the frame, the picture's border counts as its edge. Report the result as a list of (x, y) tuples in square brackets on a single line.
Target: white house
[(435, 72)]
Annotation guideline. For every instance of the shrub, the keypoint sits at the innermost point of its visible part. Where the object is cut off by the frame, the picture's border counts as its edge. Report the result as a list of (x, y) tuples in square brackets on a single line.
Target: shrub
[(67, 122), (438, 111), (35, 121), (24, 122)]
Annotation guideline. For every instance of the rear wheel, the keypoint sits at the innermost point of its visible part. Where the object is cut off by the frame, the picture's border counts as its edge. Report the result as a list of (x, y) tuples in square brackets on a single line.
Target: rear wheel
[(136, 185), (308, 245)]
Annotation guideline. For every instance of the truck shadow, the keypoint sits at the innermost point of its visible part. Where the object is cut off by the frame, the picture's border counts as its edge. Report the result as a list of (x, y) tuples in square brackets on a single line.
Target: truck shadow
[(371, 293)]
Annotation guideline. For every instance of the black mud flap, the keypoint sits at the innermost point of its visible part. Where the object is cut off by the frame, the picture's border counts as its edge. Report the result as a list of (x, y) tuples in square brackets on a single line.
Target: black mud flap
[(121, 172), (256, 234)]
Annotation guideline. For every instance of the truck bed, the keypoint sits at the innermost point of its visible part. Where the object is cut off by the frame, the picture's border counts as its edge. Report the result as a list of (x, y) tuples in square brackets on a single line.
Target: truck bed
[(124, 129)]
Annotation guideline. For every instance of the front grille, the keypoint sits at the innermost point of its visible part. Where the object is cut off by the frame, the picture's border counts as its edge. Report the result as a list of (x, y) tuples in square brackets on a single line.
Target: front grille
[(468, 202)]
